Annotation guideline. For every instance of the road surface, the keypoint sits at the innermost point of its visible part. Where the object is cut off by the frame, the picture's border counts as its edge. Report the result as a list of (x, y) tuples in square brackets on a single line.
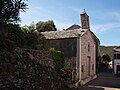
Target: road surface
[(105, 81)]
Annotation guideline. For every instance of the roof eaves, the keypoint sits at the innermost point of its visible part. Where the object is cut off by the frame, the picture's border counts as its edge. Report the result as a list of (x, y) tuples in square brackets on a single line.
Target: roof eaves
[(63, 34)]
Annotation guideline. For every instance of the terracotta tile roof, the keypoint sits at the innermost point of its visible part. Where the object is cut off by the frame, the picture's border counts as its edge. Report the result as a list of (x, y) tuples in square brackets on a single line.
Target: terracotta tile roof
[(63, 34)]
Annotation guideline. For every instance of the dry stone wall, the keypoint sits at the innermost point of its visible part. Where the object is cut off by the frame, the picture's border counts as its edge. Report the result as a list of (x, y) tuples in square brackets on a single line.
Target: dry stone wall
[(43, 57), (20, 71)]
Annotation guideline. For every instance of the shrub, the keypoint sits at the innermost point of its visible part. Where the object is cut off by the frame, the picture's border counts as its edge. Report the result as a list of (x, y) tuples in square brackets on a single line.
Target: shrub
[(58, 58), (65, 73)]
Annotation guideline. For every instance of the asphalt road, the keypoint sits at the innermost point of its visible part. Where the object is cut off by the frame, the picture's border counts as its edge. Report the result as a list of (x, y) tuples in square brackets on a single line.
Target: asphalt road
[(105, 81)]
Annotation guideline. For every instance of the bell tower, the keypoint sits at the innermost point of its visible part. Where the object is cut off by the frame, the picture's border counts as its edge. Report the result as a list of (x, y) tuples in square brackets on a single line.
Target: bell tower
[(84, 20)]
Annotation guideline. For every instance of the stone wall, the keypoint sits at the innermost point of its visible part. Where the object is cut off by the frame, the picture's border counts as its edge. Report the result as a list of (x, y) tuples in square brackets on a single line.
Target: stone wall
[(20, 71), (88, 53), (43, 57), (67, 45), (70, 63)]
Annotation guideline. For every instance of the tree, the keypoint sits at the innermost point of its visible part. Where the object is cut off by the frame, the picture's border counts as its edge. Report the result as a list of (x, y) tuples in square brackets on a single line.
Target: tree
[(10, 10), (105, 60), (45, 26), (31, 38), (30, 28)]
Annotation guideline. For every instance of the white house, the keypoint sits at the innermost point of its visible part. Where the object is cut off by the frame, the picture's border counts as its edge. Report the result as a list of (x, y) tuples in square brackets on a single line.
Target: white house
[(116, 60)]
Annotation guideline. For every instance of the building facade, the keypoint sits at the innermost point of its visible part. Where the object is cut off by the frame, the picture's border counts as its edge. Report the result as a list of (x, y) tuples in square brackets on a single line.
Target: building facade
[(80, 47), (116, 60)]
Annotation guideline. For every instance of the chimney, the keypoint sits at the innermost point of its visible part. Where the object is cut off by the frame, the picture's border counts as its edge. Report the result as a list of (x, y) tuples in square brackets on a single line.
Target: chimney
[(85, 20)]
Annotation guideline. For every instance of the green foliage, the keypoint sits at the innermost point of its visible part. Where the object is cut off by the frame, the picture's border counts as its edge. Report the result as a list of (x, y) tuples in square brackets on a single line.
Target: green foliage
[(41, 42), (106, 50), (2, 44), (15, 34), (10, 10), (7, 45), (58, 58), (27, 28), (24, 37), (65, 73), (26, 74), (45, 26), (11, 36), (32, 39), (106, 59), (104, 64)]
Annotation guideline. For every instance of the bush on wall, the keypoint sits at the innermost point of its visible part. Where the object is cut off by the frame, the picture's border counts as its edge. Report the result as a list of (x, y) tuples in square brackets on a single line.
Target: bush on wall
[(58, 58)]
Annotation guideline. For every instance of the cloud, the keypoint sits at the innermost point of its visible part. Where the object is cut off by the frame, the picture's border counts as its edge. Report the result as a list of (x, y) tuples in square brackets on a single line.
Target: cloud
[(36, 14), (115, 15), (101, 28), (77, 10), (106, 15), (104, 22)]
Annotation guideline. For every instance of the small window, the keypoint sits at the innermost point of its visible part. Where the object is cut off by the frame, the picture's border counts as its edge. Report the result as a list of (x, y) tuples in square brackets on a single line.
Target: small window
[(116, 56), (88, 47), (93, 67), (82, 69)]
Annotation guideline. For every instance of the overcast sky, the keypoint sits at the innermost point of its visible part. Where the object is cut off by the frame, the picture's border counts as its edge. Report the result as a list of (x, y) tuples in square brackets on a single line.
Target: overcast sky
[(104, 16)]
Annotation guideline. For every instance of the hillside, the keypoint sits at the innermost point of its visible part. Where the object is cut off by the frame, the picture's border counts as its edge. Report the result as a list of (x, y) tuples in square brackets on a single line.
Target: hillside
[(106, 50)]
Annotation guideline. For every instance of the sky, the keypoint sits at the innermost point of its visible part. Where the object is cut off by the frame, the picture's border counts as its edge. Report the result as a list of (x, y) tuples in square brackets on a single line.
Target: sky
[(104, 16)]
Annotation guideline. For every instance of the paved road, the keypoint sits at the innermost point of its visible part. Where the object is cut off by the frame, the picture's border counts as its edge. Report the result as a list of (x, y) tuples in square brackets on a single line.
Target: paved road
[(105, 81)]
